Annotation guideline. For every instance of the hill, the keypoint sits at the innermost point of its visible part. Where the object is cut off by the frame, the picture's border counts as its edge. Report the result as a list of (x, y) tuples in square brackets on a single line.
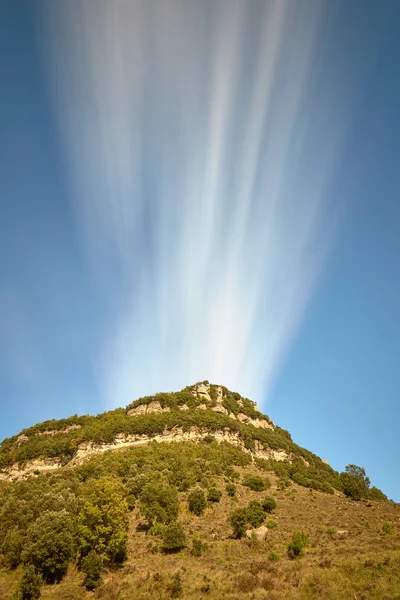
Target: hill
[(205, 497)]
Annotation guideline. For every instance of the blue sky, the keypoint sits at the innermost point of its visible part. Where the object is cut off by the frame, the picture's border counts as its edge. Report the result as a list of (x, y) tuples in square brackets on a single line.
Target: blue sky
[(204, 192)]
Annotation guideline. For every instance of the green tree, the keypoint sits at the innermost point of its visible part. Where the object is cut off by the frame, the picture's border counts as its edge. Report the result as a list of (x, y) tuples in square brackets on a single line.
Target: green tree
[(355, 482), (50, 544), (174, 538), (29, 586), (255, 482), (159, 503), (103, 520), (92, 566), (269, 504), (197, 501), (255, 513), (238, 521)]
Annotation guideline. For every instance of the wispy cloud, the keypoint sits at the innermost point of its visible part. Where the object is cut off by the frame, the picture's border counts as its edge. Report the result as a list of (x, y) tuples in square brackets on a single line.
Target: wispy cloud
[(201, 173)]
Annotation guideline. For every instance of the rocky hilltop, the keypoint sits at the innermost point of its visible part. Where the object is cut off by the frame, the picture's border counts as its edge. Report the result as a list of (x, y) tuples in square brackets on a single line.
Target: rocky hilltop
[(191, 494), (189, 415)]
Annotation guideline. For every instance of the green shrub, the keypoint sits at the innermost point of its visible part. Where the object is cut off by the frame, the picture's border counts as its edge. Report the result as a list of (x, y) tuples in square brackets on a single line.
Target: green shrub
[(197, 547), (29, 586), (175, 587), (209, 439), (174, 538), (92, 566), (238, 521), (197, 501), (269, 504), (255, 513), (157, 528), (214, 495), (298, 543), (273, 556), (255, 482), (230, 489), (387, 528), (271, 524), (159, 502)]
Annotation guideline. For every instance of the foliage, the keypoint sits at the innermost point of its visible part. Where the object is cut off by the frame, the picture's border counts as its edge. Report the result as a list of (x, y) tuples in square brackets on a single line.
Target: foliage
[(274, 556), (50, 544), (159, 502), (387, 528), (238, 521), (197, 547), (92, 566), (103, 519), (197, 501), (255, 482), (174, 538), (29, 586), (175, 587), (297, 544), (269, 504), (355, 482), (214, 495), (230, 489), (271, 524), (255, 513)]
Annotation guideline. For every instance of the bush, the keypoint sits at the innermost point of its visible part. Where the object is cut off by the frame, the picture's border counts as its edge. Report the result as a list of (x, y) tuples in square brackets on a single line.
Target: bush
[(214, 495), (174, 538), (269, 504), (298, 543), (256, 483), (274, 556), (271, 524), (387, 528), (175, 587), (197, 547), (159, 502), (29, 586), (255, 513), (238, 521), (197, 501), (230, 489), (92, 566)]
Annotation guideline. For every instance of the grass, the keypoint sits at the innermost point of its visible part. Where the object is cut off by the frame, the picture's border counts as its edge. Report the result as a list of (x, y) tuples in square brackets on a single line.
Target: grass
[(345, 559)]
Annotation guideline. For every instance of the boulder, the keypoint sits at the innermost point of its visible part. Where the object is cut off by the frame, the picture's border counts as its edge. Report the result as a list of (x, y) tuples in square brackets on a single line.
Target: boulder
[(260, 534)]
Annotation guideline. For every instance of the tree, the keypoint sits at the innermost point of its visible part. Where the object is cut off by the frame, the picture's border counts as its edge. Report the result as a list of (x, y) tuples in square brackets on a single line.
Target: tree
[(29, 586), (214, 495), (174, 538), (238, 521), (159, 503), (255, 513), (197, 501), (92, 566), (103, 520), (269, 504), (355, 482), (50, 544)]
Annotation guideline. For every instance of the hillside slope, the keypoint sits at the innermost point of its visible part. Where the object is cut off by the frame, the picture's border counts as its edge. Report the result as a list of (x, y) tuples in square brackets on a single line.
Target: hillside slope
[(201, 500)]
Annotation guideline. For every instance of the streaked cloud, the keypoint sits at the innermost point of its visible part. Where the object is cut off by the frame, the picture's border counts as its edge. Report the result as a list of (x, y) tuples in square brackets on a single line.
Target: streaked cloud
[(200, 158)]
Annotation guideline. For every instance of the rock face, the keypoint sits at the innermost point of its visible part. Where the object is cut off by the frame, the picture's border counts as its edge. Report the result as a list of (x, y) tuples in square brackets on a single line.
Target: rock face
[(260, 534), (145, 409), (176, 434)]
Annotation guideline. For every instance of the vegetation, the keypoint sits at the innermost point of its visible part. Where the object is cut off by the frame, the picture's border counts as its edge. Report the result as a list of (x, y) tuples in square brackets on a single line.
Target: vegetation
[(136, 509), (197, 501), (297, 544)]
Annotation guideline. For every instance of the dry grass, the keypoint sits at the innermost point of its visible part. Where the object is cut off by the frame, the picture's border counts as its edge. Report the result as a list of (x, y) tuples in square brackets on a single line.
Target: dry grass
[(349, 556)]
